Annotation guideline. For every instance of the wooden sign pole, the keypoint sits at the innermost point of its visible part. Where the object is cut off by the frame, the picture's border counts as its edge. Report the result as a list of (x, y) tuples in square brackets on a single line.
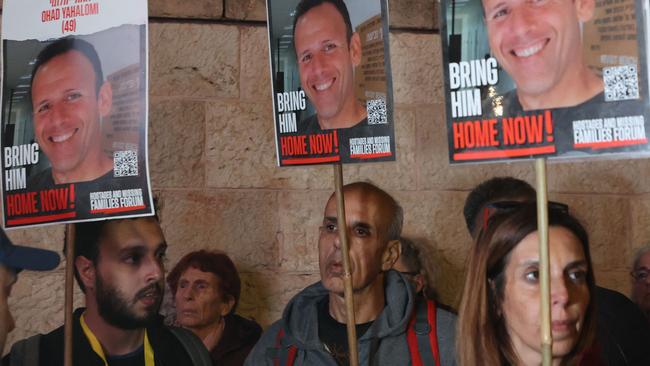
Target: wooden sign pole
[(347, 276), (69, 283), (545, 288)]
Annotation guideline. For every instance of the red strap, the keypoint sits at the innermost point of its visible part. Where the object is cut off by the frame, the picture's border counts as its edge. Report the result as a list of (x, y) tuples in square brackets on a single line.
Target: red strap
[(412, 340), (433, 335), (278, 344), (291, 353)]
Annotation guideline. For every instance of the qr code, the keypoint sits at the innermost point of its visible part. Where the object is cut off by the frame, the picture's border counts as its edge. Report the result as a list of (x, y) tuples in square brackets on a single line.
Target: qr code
[(125, 163), (376, 111), (621, 83)]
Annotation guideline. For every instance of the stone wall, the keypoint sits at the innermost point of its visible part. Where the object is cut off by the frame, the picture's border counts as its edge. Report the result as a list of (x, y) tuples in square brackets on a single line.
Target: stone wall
[(213, 165)]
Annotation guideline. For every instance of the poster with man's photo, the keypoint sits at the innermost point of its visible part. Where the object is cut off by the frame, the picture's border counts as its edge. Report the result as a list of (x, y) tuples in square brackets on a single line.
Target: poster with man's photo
[(332, 87), (74, 111), (562, 79)]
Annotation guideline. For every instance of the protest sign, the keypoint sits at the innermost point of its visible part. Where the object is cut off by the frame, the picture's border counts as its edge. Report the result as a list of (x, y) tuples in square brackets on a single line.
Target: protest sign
[(556, 79), (332, 88), (74, 111)]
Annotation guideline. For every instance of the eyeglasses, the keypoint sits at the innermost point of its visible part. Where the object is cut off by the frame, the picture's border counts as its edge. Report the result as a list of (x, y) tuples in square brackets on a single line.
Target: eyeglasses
[(507, 206), (641, 274)]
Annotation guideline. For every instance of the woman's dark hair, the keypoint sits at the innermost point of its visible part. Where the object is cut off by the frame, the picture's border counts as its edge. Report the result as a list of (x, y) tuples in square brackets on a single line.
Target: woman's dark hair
[(482, 334), (215, 262)]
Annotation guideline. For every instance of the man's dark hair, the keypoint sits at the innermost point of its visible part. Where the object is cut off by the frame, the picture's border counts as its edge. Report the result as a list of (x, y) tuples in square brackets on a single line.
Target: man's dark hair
[(417, 257), (305, 5), (410, 255), (67, 44), (86, 242), (217, 263), (492, 190)]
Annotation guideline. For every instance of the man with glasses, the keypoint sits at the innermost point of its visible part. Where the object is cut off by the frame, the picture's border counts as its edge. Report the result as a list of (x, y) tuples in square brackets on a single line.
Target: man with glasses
[(641, 279), (622, 334)]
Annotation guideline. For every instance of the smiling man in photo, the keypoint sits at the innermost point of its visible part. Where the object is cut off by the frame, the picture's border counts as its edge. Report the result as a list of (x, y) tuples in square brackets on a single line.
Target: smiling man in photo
[(327, 51), (70, 98), (539, 44)]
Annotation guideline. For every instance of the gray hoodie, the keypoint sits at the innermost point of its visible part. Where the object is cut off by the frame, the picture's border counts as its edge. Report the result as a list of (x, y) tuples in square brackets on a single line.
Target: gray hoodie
[(387, 334)]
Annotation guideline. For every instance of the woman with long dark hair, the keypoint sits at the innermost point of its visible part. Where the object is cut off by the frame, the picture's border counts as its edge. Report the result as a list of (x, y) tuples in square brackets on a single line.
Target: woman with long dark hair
[(499, 317)]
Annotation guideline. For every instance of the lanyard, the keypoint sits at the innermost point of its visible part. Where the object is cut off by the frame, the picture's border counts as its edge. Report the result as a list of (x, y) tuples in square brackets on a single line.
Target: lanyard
[(97, 347)]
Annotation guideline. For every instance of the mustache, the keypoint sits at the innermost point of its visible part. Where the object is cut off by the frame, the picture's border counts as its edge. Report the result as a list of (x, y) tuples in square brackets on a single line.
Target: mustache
[(155, 288)]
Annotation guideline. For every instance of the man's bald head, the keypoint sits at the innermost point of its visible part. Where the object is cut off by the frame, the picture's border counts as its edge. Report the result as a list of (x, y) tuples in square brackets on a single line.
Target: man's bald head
[(373, 223), (393, 212)]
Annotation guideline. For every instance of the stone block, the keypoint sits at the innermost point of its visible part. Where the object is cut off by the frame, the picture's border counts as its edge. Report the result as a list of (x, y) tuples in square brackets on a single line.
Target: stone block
[(241, 223), (301, 214), (416, 63), (414, 14), (640, 230), (436, 217), (607, 220), (265, 294), (240, 147), (246, 9), (176, 143), (255, 75), (240, 151), (37, 301), (194, 60), (600, 176), (198, 9), (617, 280), (435, 171), (47, 237)]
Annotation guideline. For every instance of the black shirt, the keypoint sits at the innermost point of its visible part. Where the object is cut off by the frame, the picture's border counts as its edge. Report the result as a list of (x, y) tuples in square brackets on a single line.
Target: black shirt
[(334, 334), (135, 358)]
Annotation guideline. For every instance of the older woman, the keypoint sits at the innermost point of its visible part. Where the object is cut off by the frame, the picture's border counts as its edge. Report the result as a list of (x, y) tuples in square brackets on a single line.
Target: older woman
[(206, 290), (499, 321)]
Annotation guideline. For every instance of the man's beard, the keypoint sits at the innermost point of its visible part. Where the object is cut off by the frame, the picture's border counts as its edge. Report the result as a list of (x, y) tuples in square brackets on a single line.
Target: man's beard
[(117, 311)]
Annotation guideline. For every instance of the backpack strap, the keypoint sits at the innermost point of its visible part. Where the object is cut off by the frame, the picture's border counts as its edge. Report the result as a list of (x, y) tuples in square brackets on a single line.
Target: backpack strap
[(422, 336), (193, 346), (26, 352), (285, 355)]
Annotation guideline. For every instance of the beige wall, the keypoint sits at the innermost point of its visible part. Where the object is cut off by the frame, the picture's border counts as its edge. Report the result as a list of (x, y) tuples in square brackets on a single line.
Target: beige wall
[(213, 165)]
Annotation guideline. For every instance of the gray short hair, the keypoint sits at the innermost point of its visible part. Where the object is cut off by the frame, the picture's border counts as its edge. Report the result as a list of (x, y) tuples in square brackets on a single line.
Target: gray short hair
[(640, 253)]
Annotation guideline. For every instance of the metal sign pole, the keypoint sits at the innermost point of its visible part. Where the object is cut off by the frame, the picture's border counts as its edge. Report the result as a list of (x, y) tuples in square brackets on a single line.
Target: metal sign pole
[(347, 276), (545, 288), (69, 283)]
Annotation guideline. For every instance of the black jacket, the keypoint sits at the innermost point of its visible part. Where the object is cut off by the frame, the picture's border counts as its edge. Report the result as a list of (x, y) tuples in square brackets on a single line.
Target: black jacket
[(622, 331), (239, 337), (168, 351)]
